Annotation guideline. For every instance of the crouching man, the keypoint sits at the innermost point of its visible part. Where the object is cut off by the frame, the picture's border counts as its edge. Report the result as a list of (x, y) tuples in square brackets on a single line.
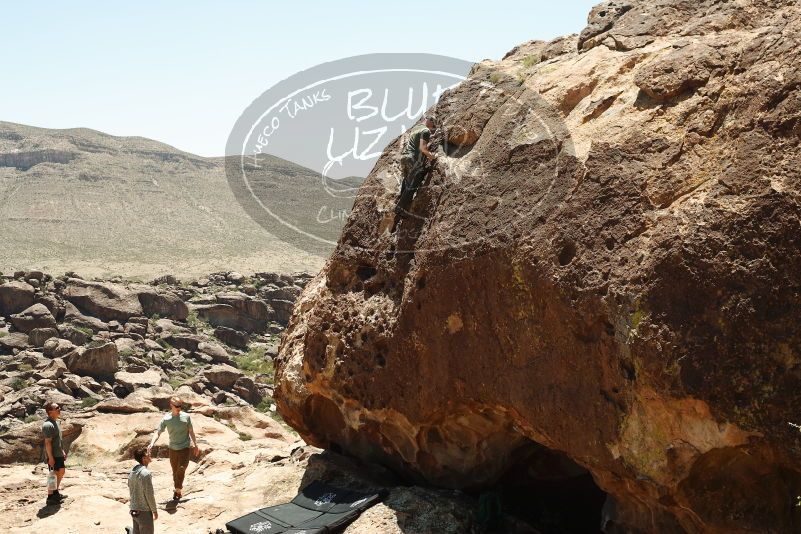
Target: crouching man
[(143, 502)]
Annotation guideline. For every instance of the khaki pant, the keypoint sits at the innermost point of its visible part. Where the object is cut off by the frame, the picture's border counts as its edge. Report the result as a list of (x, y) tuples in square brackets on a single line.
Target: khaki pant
[(179, 461)]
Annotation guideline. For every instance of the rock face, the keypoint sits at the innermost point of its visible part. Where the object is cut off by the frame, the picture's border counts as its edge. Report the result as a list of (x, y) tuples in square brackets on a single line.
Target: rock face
[(606, 265)]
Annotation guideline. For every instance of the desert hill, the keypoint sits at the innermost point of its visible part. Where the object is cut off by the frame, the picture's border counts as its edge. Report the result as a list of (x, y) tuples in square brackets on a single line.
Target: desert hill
[(102, 205)]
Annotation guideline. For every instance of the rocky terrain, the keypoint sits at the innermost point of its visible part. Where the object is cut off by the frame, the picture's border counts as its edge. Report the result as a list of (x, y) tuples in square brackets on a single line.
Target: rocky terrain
[(598, 288), (102, 205), (112, 353)]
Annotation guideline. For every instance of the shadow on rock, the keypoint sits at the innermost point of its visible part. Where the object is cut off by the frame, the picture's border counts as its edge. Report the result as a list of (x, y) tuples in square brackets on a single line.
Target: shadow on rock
[(47, 510)]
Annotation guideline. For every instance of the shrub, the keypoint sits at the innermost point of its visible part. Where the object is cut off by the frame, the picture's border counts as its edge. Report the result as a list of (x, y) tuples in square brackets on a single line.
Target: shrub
[(496, 77), (88, 332), (3, 333), (25, 367), (530, 61), (176, 381), (193, 320), (244, 436), (31, 418), (255, 361), (19, 383), (88, 402)]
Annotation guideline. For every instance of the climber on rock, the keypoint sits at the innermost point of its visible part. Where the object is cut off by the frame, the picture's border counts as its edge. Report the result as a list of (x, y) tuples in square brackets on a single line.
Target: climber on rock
[(414, 157)]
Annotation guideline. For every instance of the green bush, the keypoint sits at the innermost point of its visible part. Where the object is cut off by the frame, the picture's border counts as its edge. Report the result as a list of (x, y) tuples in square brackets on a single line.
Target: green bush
[(19, 383), (31, 418), (530, 61), (176, 381), (255, 362), (25, 367), (193, 320), (88, 402), (496, 77), (244, 436), (88, 332), (3, 333)]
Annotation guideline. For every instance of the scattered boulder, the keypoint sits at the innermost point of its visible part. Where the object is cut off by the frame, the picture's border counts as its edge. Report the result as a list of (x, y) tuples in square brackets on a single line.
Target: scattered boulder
[(134, 381), (15, 296), (38, 336), (129, 404), (101, 360), (53, 370), (217, 353), (188, 342), (24, 443), (74, 316), (246, 388), (223, 376), (163, 304), (57, 348), (53, 303), (233, 338), (14, 340), (103, 300), (33, 317)]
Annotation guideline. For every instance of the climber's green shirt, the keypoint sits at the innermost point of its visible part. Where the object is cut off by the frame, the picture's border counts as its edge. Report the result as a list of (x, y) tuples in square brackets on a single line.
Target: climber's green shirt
[(412, 148), (178, 428)]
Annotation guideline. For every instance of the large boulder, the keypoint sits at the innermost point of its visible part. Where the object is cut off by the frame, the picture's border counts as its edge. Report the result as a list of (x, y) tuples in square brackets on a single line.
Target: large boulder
[(14, 340), (237, 311), (104, 300), (162, 303), (133, 381), (38, 336), (34, 317), (74, 316), (24, 443), (223, 376), (607, 273), (15, 296), (100, 360), (56, 348)]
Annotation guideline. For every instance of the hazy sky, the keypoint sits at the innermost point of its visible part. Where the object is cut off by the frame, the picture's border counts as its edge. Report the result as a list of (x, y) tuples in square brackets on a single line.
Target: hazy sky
[(182, 72)]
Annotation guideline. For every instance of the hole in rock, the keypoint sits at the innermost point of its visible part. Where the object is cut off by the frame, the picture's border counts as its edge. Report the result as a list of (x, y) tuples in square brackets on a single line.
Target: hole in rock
[(550, 492), (567, 253), (365, 272)]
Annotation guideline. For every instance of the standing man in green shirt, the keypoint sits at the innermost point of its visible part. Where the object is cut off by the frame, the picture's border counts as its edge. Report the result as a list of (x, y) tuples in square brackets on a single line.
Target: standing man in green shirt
[(413, 162), (54, 450), (179, 428)]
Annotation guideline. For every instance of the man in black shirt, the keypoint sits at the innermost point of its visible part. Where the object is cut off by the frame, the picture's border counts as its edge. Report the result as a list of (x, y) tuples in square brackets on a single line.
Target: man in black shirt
[(54, 450)]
